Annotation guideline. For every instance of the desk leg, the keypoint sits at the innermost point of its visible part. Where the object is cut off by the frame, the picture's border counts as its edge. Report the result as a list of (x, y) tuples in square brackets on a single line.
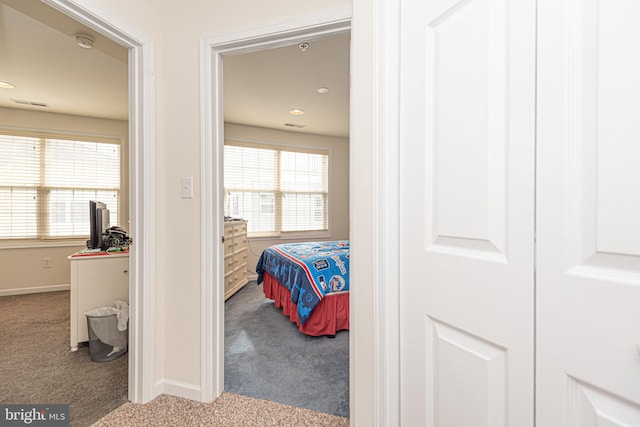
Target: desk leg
[(73, 336)]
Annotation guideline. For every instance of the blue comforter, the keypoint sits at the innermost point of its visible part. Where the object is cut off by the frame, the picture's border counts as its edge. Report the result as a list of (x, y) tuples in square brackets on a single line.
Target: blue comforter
[(308, 270)]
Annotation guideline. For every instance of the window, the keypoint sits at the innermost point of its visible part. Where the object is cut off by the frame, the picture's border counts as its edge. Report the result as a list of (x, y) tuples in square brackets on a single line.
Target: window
[(277, 189), (46, 182)]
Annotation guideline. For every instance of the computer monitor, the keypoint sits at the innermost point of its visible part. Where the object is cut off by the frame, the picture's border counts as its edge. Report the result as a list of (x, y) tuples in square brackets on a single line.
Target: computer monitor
[(98, 223)]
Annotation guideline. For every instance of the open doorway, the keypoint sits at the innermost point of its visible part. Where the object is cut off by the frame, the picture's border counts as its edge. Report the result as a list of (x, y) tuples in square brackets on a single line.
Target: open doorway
[(220, 132), (138, 89), (286, 162), (78, 150)]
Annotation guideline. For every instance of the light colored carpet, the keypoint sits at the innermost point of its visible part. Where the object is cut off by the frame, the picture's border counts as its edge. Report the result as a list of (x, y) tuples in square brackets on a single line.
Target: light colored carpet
[(229, 410)]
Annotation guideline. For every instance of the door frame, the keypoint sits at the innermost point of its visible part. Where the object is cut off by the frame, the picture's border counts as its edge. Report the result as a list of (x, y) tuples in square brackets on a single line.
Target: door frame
[(384, 121), (142, 186), (212, 49), (374, 359)]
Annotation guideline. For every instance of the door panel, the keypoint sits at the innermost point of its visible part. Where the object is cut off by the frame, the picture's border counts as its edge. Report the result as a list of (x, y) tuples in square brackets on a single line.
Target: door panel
[(593, 407), (588, 251), (466, 222), (465, 367)]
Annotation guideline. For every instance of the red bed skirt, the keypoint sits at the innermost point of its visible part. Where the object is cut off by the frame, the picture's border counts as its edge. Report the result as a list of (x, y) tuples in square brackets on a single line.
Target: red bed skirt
[(330, 315)]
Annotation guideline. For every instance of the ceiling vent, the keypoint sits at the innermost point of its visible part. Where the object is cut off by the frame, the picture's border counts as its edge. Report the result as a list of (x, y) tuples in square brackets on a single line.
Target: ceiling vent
[(34, 103), (293, 125)]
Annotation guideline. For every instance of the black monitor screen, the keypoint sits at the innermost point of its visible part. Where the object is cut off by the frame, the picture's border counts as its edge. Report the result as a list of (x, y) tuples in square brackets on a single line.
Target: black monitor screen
[(98, 223)]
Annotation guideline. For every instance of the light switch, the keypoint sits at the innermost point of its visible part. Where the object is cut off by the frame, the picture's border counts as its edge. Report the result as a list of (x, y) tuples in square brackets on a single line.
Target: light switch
[(186, 187)]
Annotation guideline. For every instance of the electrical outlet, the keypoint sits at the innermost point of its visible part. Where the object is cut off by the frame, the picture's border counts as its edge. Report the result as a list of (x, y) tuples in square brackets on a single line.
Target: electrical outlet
[(47, 263)]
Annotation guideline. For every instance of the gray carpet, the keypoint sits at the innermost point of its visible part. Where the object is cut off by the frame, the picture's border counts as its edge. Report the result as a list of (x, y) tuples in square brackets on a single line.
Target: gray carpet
[(37, 367), (266, 357)]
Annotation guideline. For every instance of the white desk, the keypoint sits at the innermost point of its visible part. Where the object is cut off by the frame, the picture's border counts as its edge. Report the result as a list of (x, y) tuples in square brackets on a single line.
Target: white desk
[(96, 280)]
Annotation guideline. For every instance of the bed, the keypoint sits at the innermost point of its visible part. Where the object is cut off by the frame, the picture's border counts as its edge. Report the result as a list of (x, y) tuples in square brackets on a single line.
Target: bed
[(310, 282)]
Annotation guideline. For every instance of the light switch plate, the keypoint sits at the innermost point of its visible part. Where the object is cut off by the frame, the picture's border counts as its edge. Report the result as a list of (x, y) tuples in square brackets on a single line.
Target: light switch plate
[(186, 187)]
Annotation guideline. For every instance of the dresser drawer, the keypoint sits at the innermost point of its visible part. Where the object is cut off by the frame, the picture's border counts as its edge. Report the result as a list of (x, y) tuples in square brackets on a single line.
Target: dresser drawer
[(241, 272), (229, 281), (229, 246), (240, 228), (240, 242), (229, 263), (240, 257)]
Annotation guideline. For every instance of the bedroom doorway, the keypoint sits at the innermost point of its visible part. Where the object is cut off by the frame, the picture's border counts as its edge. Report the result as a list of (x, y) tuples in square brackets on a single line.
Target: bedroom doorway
[(141, 370), (288, 132), (311, 76)]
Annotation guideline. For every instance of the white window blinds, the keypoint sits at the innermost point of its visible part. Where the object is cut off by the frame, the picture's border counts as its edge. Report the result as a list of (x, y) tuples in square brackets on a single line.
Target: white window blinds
[(47, 181), (276, 189)]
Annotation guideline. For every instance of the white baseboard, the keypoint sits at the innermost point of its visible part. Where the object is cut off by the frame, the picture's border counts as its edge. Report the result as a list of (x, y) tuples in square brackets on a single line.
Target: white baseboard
[(179, 389), (34, 290), (253, 276)]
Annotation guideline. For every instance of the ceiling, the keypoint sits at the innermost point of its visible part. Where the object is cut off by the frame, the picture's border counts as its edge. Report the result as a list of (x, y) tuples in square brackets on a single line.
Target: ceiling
[(38, 54), (260, 88)]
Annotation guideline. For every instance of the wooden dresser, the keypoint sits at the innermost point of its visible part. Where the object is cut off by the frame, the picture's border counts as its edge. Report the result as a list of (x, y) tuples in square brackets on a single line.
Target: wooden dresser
[(235, 256)]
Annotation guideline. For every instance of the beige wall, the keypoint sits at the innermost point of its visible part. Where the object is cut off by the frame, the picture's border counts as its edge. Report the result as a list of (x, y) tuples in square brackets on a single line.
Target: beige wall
[(186, 22), (175, 28), (179, 155), (21, 263), (338, 181), (364, 389), (23, 272)]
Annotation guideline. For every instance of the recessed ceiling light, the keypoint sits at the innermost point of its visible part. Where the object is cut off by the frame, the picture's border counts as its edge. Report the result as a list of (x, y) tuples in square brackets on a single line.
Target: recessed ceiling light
[(296, 112), (323, 90), (6, 85), (85, 41)]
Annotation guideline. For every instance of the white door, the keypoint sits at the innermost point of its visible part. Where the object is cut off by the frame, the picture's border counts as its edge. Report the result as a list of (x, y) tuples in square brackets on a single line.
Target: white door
[(467, 212), (588, 221)]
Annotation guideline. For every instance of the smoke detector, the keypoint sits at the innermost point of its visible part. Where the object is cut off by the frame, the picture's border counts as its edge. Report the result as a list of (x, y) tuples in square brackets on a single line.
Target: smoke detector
[(85, 41)]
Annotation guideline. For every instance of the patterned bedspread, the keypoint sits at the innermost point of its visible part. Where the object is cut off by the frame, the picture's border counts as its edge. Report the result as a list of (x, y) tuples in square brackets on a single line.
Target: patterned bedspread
[(308, 270)]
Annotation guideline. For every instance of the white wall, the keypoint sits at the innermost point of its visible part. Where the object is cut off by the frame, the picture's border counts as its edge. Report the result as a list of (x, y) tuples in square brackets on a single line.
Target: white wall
[(20, 261), (176, 28), (338, 180)]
